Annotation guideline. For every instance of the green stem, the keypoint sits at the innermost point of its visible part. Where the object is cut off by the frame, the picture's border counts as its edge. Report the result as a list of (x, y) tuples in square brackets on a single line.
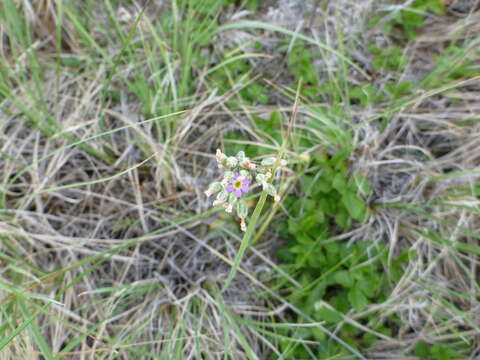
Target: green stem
[(246, 240)]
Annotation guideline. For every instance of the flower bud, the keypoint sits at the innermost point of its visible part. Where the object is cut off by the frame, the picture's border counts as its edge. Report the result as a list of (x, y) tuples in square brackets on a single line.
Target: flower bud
[(228, 175), (268, 161), (220, 156), (246, 163), (240, 155), (231, 162), (243, 225), (245, 174), (261, 178), (222, 196), (242, 209), (217, 202), (214, 188)]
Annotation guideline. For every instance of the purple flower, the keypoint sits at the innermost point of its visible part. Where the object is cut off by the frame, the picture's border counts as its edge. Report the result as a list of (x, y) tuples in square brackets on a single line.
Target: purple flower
[(238, 185)]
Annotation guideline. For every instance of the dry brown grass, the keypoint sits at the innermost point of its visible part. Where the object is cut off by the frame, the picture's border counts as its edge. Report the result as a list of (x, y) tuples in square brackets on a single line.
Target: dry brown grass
[(148, 257)]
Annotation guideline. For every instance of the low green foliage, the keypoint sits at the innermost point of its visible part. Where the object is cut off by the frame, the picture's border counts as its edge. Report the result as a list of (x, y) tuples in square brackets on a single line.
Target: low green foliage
[(270, 129), (337, 277), (251, 5), (388, 59), (452, 64), (236, 71), (330, 193), (155, 67), (301, 64), (409, 18), (435, 352)]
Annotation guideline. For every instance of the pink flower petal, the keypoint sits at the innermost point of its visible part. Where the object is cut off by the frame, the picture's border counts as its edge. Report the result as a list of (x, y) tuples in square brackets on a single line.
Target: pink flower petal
[(238, 193), (230, 188), (246, 181), (235, 176), (245, 188)]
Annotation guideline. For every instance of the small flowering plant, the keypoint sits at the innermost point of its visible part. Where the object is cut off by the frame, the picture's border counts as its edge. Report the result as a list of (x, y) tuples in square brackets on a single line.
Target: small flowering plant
[(237, 180)]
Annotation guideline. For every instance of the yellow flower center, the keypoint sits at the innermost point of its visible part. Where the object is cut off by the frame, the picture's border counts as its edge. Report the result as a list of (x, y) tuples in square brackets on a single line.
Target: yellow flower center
[(237, 184)]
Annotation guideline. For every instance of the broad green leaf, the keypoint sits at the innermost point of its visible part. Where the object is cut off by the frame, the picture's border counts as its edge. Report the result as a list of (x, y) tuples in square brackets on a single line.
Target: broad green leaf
[(327, 205), (309, 205), (344, 278), (332, 248), (362, 184), (321, 185), (339, 182), (326, 314), (357, 299), (355, 205), (422, 350), (320, 217), (342, 219)]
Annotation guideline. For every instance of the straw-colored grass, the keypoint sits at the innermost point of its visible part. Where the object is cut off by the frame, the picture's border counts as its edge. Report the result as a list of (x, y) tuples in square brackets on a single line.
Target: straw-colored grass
[(109, 118)]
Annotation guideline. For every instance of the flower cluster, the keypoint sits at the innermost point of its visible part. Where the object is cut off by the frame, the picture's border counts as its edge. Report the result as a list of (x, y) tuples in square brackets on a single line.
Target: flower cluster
[(241, 175)]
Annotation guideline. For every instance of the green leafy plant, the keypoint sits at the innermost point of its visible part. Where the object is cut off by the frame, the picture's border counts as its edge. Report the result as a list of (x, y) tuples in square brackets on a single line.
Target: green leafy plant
[(300, 63), (364, 94), (240, 174), (388, 59), (336, 277), (408, 19), (435, 352), (235, 71), (332, 192), (452, 64), (251, 5), (269, 129)]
